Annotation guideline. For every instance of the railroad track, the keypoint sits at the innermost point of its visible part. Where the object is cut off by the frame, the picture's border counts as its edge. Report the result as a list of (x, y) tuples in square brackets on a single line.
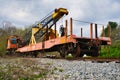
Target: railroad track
[(93, 59), (101, 60)]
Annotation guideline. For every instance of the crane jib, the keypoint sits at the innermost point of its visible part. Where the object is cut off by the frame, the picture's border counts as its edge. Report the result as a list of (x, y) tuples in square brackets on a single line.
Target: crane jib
[(52, 19)]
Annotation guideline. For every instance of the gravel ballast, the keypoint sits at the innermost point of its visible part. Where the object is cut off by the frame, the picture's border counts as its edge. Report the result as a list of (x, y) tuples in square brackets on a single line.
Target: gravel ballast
[(62, 69), (83, 70)]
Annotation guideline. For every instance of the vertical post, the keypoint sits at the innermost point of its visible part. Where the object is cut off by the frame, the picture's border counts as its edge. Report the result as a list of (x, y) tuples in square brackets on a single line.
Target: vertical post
[(91, 30), (66, 24), (55, 30), (103, 32), (81, 32), (71, 31), (96, 34)]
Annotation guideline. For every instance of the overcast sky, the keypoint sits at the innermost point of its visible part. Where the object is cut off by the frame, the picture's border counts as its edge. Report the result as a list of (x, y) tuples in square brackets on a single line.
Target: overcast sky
[(25, 12)]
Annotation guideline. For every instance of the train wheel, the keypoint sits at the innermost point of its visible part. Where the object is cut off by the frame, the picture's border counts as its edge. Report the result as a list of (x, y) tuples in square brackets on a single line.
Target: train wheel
[(10, 52), (73, 49), (63, 51), (35, 54), (32, 54), (81, 54), (94, 51), (76, 51)]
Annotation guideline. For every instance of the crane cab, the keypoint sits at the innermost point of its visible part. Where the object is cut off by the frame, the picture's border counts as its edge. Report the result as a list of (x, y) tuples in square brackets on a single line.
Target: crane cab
[(12, 43)]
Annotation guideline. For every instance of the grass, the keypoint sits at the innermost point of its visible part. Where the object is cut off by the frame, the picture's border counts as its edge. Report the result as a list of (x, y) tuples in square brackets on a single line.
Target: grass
[(53, 53), (57, 69), (40, 75), (22, 69), (61, 70), (112, 51), (67, 76)]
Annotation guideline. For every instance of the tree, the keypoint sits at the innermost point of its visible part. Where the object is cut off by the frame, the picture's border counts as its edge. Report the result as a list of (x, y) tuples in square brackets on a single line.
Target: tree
[(113, 26)]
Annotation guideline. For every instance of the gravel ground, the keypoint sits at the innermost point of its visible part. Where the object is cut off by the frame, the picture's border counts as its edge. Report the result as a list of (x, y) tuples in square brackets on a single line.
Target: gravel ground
[(83, 70), (61, 69)]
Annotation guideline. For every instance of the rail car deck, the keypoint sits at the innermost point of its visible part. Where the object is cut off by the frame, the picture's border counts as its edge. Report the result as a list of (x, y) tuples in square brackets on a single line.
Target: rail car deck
[(62, 40)]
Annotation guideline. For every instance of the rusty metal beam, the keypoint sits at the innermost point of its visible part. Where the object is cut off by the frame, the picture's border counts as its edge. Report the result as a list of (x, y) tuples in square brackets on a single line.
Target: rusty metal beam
[(91, 30), (96, 32), (71, 30), (66, 26), (81, 32)]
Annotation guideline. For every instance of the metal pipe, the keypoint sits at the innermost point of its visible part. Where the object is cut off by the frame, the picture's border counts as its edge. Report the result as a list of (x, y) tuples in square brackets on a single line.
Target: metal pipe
[(96, 34), (71, 31), (91, 30), (66, 26), (81, 32)]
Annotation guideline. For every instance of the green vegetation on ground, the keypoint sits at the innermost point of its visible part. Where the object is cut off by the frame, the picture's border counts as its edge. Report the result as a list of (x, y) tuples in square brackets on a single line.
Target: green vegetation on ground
[(22, 69), (112, 51)]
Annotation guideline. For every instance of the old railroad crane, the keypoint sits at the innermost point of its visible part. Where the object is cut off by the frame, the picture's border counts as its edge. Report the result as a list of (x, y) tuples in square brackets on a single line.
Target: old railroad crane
[(65, 44)]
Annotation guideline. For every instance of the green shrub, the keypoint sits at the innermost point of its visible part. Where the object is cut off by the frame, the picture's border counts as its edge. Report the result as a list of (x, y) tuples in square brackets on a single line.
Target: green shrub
[(112, 51), (3, 42)]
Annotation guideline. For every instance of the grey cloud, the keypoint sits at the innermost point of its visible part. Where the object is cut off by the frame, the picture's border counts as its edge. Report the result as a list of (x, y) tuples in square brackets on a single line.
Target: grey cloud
[(99, 11)]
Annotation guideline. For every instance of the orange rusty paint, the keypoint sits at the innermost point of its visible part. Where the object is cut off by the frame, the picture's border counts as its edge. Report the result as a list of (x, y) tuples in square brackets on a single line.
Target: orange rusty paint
[(47, 44), (61, 40), (91, 30), (106, 39), (81, 32), (71, 26), (10, 45), (101, 39), (66, 28)]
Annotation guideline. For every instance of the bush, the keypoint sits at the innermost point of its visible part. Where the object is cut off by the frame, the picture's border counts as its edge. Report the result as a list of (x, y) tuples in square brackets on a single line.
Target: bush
[(3, 42), (112, 51)]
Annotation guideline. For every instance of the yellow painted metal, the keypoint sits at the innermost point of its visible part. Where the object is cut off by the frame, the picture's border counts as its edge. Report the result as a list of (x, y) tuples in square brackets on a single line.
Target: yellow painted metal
[(58, 13), (34, 30), (50, 35)]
